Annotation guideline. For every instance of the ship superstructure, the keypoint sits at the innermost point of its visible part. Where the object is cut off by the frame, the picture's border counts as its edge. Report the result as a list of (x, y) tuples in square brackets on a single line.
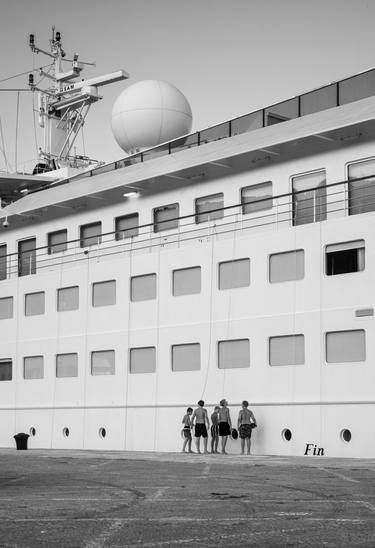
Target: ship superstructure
[(234, 262)]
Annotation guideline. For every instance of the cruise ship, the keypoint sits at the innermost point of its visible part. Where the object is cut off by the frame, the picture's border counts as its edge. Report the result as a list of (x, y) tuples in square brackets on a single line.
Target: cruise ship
[(235, 262)]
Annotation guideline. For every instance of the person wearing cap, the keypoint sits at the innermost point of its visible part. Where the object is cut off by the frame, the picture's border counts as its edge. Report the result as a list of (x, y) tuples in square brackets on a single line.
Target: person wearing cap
[(246, 422), (225, 424), (201, 419)]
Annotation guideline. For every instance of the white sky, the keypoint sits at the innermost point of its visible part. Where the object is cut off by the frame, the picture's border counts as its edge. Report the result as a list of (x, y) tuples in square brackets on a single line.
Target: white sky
[(228, 57)]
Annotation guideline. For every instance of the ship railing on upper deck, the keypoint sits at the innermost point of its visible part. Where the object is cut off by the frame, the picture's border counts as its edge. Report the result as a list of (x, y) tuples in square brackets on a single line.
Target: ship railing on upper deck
[(317, 204), (332, 95)]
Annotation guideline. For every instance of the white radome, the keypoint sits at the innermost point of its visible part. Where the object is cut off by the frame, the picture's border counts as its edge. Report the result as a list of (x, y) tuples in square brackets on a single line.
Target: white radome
[(148, 113)]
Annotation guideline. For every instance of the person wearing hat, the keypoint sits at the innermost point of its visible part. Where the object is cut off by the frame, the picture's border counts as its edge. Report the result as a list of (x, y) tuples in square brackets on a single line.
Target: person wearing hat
[(225, 424), (246, 422)]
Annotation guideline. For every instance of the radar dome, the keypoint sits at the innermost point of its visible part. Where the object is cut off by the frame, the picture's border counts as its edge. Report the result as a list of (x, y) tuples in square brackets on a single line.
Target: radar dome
[(148, 113)]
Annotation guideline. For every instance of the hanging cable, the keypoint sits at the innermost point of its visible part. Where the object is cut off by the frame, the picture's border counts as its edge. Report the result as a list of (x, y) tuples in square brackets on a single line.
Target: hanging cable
[(3, 146), (16, 146), (23, 73)]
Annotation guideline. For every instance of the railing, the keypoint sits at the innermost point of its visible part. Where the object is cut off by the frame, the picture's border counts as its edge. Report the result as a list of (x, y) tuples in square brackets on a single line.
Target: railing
[(332, 95), (317, 204)]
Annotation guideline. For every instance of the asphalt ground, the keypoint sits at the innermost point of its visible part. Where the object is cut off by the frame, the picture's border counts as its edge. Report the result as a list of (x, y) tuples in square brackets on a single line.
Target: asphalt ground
[(118, 499)]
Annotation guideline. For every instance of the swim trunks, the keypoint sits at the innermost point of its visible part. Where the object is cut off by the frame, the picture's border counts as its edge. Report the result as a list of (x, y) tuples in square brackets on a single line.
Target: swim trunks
[(224, 429), (214, 430), (200, 430), (187, 432), (245, 431)]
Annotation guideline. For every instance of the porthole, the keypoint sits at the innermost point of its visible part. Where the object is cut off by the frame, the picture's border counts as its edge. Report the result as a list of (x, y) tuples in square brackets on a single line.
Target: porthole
[(32, 431), (102, 432), (286, 434), (66, 432), (346, 435)]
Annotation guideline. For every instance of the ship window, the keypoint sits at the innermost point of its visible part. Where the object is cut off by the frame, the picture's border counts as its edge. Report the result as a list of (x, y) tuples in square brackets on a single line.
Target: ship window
[(205, 208), (287, 266), (346, 346), (34, 303), (143, 360), (57, 241), (6, 370), (256, 197), (234, 274), (66, 365), (186, 357), (126, 226), (3, 262), (103, 362), (187, 281), (361, 193), (68, 298), (143, 288), (234, 354), (287, 350), (90, 234), (27, 257), (6, 308), (309, 198), (104, 293), (166, 217), (33, 367), (346, 257)]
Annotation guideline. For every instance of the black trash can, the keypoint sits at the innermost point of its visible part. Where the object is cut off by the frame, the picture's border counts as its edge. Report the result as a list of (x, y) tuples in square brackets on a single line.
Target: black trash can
[(21, 441)]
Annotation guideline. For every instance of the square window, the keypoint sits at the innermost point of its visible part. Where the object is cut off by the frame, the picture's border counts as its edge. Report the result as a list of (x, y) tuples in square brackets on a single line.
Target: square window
[(6, 308), (68, 298), (256, 197), (90, 234), (233, 274), (187, 281), (287, 266), (209, 208), (143, 288), (34, 303), (142, 360), (345, 257), (166, 217), (127, 226), (186, 357), (346, 346), (103, 362), (6, 369), (287, 350), (104, 293), (57, 241), (67, 365), (33, 367), (234, 354)]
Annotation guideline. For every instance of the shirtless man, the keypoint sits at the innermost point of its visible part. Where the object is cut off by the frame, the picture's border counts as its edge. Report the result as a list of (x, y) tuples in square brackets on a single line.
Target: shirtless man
[(246, 420), (201, 419), (215, 429), (225, 424)]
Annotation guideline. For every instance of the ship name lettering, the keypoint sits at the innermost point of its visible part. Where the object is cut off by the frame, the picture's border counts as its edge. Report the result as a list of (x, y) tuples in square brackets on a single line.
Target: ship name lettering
[(314, 450)]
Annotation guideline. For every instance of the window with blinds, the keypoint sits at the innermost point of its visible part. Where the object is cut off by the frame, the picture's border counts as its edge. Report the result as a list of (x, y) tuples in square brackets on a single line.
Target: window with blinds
[(287, 350), (33, 367), (6, 369), (143, 288), (205, 208), (256, 197), (3, 262), (186, 357), (187, 281), (90, 234), (68, 298), (361, 194), (287, 266), (233, 354), (233, 274), (309, 198), (67, 365), (346, 346), (127, 226), (104, 293), (6, 308), (166, 217), (142, 360), (34, 303), (345, 257), (103, 362), (57, 241)]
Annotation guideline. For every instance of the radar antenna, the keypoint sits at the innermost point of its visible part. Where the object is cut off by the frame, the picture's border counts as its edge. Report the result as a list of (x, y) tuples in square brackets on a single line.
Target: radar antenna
[(64, 104)]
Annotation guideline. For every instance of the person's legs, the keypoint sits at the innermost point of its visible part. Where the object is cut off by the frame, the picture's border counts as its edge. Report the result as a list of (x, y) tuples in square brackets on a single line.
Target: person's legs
[(205, 440), (216, 443), (248, 443), (242, 446), (189, 444), (224, 440), (184, 445)]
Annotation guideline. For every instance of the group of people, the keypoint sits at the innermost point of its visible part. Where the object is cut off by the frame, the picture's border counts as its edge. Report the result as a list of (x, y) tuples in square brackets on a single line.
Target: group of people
[(221, 426)]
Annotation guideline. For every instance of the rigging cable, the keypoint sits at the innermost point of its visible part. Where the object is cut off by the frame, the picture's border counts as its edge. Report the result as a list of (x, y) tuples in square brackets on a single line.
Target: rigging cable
[(16, 145), (23, 73), (3, 146)]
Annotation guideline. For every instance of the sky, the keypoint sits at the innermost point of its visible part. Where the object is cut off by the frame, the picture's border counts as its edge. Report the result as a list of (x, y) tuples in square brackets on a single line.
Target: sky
[(228, 57)]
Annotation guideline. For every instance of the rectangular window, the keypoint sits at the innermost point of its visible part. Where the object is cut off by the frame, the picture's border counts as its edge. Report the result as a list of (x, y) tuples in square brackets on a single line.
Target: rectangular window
[(104, 293), (143, 288), (33, 367), (6, 370), (186, 357), (6, 308), (309, 198), (287, 350), (90, 234), (234, 354), (68, 298), (127, 226), (34, 303), (187, 281), (346, 346), (234, 274), (256, 197), (103, 362), (205, 208), (67, 365), (361, 193), (143, 360), (287, 266), (346, 257), (57, 241), (27, 257), (3, 262), (166, 217)]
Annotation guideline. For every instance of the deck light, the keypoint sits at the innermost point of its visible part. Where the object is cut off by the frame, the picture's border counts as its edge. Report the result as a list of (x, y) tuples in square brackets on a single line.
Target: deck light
[(130, 194)]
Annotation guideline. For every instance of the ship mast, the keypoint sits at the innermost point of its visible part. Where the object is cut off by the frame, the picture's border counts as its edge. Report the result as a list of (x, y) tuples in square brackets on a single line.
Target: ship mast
[(64, 104)]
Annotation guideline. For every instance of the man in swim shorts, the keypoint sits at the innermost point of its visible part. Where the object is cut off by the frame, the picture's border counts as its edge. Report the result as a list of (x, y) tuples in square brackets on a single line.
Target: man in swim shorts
[(186, 421), (215, 430), (225, 424), (246, 422), (201, 419)]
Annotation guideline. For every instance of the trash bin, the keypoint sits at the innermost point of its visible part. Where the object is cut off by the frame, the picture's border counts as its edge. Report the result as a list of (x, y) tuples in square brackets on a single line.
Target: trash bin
[(21, 441)]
